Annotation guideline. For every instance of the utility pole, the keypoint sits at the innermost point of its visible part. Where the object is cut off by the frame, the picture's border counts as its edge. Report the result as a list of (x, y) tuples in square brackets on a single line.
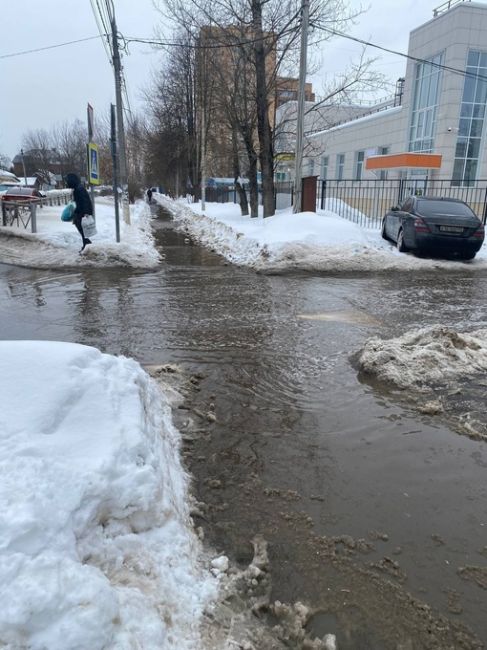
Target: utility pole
[(113, 142), (300, 117), (120, 129), (203, 158)]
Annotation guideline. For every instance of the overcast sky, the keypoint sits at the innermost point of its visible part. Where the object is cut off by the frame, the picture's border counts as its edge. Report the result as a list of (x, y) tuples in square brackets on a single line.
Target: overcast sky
[(41, 89)]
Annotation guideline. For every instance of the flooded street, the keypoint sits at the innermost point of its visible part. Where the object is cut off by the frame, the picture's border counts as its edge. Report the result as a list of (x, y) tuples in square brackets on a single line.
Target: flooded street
[(362, 499)]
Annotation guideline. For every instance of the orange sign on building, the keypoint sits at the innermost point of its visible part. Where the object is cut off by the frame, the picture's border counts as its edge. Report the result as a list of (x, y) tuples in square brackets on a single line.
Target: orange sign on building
[(405, 160)]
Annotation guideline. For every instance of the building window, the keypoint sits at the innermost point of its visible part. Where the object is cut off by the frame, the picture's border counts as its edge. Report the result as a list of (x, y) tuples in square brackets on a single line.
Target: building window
[(359, 164), (324, 168), (471, 121), (311, 167), (383, 151), (425, 104), (340, 165)]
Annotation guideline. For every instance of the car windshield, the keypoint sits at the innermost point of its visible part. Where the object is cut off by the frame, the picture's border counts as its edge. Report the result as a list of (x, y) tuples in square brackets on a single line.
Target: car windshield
[(430, 208)]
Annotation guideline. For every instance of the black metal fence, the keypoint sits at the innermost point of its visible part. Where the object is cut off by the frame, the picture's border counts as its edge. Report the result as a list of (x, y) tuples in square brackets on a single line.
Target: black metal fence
[(220, 194), (365, 202)]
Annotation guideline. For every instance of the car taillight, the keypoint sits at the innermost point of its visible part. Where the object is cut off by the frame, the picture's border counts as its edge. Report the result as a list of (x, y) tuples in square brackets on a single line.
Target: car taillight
[(479, 232), (420, 226)]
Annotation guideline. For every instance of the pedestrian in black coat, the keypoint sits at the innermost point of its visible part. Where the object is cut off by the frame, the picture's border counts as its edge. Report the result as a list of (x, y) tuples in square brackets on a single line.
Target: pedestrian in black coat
[(83, 205)]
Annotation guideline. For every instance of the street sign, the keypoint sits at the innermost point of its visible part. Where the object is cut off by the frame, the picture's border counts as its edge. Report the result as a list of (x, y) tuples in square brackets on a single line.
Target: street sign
[(93, 170), (90, 122)]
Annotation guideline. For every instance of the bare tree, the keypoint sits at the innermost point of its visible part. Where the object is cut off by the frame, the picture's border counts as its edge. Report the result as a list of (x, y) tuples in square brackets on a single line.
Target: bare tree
[(173, 146), (268, 37), (69, 144), (5, 162), (38, 151)]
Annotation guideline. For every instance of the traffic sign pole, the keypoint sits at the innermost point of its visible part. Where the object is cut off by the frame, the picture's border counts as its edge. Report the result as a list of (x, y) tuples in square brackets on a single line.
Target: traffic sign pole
[(90, 119)]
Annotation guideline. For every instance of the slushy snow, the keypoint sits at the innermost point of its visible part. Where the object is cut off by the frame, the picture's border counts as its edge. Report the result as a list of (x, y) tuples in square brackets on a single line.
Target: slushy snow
[(322, 241), (56, 243), (425, 357), (96, 546)]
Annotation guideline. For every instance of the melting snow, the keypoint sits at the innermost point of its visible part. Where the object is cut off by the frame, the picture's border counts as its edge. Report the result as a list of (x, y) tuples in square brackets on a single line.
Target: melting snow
[(425, 357), (307, 241), (56, 244), (96, 547)]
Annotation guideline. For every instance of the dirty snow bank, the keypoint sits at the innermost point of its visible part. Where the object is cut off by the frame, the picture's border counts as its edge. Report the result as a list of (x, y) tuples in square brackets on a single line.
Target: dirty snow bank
[(425, 357), (96, 549), (56, 244), (245, 594), (306, 241)]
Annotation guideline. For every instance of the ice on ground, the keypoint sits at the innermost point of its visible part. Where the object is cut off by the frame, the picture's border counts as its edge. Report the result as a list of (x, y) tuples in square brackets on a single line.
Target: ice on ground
[(96, 547), (56, 244), (425, 357), (308, 241)]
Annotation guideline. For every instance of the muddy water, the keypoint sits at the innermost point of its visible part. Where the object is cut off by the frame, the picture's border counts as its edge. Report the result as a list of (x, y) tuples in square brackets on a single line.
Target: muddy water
[(301, 451)]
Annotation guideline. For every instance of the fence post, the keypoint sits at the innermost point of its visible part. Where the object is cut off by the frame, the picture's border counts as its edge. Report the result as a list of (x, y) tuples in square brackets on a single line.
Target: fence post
[(33, 217), (484, 214), (323, 194)]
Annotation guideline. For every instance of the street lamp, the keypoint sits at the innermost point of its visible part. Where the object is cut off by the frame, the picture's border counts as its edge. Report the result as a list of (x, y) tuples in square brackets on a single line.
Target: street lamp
[(23, 166)]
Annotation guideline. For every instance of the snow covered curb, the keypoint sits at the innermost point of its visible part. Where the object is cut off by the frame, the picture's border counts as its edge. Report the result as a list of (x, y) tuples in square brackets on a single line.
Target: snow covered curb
[(309, 242), (56, 244), (425, 357), (96, 546)]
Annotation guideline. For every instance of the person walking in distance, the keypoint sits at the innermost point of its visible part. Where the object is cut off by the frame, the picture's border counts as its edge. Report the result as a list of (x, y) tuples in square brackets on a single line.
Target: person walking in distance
[(83, 205), (149, 195)]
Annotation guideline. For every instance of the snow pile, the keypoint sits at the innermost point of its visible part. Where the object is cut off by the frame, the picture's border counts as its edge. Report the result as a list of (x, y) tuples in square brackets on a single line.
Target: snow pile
[(56, 244), (425, 357), (96, 549), (307, 241), (333, 204)]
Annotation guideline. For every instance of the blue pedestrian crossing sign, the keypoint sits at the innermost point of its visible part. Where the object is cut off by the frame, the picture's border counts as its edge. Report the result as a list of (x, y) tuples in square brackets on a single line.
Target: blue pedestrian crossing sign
[(93, 169)]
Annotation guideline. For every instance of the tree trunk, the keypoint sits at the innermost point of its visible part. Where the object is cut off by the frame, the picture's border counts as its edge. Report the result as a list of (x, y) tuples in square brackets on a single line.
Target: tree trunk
[(266, 154), (252, 172), (244, 206), (253, 184)]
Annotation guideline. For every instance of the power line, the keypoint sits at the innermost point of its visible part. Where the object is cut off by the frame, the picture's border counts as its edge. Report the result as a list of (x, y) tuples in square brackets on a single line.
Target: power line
[(50, 47), (214, 46), (103, 28), (463, 73), (149, 41)]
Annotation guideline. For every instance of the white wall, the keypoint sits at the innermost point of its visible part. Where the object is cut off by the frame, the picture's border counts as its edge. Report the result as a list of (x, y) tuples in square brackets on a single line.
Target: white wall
[(454, 32)]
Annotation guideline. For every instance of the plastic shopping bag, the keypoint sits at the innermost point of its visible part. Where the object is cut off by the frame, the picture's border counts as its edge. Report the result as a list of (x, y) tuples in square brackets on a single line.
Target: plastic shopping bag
[(67, 213), (89, 226)]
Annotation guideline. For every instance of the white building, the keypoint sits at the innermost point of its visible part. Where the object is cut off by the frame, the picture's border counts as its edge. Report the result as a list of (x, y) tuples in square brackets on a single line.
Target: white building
[(442, 110)]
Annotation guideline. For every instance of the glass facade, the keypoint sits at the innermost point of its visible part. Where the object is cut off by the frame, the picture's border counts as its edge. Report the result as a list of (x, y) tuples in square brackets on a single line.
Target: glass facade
[(359, 164), (383, 151), (425, 104), (471, 121), (324, 168), (340, 165)]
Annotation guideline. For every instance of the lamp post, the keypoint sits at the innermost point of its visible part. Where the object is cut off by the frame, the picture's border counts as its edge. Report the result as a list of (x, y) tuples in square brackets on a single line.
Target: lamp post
[(298, 170), (23, 166)]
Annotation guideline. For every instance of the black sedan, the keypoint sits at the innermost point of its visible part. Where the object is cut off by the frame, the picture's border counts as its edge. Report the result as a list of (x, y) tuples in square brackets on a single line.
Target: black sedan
[(435, 225)]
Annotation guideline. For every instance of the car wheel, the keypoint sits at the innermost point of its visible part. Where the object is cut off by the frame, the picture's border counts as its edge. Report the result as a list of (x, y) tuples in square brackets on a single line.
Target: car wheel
[(401, 246), (383, 230)]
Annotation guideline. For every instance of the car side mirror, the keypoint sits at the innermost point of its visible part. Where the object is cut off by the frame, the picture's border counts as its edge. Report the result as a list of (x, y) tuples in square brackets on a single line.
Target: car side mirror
[(394, 208)]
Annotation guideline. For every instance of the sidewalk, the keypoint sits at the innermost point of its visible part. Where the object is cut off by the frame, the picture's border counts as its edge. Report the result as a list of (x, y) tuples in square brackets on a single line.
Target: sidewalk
[(320, 242), (57, 244)]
